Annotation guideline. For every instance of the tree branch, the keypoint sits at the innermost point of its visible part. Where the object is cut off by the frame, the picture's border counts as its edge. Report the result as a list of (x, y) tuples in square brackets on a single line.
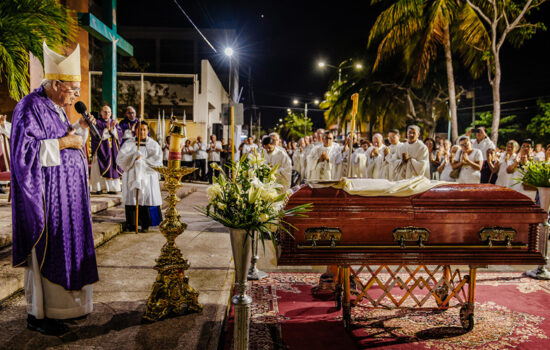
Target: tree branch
[(479, 12)]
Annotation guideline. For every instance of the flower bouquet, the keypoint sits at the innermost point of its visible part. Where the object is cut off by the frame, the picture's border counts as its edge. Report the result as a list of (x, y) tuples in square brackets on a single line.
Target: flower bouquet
[(252, 201), (249, 202)]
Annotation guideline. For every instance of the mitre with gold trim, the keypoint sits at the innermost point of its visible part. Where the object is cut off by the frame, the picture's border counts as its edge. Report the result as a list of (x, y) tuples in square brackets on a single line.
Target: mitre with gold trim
[(58, 67)]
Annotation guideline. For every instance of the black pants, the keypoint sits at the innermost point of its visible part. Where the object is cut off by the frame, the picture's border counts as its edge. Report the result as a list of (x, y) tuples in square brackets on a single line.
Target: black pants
[(200, 174), (212, 172), (144, 217)]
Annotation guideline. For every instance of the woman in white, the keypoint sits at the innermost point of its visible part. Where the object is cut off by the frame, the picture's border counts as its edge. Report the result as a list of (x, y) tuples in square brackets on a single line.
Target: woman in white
[(445, 167), (470, 160), (522, 159), (506, 159)]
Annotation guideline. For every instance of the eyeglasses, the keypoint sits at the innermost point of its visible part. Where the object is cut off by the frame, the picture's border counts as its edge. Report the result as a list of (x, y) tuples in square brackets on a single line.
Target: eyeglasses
[(69, 89)]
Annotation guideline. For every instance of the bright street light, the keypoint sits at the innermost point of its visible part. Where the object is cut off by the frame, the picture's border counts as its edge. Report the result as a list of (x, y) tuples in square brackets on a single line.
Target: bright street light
[(228, 51), (280, 120), (288, 110), (359, 66), (295, 101), (316, 102), (321, 64)]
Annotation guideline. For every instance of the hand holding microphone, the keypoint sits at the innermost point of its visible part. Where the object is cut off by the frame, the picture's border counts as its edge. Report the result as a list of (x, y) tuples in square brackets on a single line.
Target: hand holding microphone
[(80, 107)]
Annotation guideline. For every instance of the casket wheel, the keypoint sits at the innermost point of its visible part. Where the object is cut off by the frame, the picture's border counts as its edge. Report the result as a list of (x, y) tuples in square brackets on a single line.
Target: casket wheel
[(466, 318)]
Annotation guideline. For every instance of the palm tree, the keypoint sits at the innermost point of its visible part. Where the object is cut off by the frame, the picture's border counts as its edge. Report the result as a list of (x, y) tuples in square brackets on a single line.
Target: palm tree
[(294, 126), (416, 28), (24, 25)]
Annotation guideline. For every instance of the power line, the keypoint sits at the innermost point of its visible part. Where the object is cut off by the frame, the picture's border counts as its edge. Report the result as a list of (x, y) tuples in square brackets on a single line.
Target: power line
[(504, 102), (196, 28)]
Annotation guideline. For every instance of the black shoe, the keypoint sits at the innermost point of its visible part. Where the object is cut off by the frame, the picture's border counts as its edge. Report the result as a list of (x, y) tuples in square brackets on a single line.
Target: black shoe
[(111, 192), (46, 326), (98, 192)]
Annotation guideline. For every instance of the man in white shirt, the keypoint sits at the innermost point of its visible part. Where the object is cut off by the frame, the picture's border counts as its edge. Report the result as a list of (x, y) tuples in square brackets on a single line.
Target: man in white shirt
[(413, 158), (214, 150), (249, 147), (199, 150), (276, 157), (482, 141)]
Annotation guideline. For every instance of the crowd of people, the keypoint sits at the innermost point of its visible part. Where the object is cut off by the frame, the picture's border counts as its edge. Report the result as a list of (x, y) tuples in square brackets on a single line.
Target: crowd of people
[(474, 158)]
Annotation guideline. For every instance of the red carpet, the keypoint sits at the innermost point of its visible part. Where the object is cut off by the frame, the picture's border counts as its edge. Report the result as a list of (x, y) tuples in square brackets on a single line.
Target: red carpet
[(511, 311)]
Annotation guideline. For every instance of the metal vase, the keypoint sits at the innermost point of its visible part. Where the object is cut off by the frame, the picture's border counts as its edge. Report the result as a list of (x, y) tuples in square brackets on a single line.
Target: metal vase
[(253, 273), (241, 244), (541, 272)]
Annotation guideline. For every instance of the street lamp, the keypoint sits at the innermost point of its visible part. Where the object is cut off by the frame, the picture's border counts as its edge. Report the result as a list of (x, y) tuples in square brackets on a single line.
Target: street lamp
[(229, 53), (323, 64), (315, 102)]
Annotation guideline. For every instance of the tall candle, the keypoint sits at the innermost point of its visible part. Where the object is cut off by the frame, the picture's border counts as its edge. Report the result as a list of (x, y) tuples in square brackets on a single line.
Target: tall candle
[(177, 138)]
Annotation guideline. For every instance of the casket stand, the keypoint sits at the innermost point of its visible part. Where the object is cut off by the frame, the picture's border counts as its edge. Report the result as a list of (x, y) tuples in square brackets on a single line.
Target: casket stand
[(408, 244)]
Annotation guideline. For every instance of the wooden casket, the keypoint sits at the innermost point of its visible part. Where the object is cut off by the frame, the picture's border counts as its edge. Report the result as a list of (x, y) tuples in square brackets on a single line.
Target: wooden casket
[(451, 224)]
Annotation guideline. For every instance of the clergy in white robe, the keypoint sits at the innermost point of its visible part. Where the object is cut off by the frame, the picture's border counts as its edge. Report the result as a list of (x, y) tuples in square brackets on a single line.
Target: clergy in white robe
[(298, 158), (391, 155), (274, 156), (359, 160), (141, 180), (308, 160), (375, 157), (413, 158), (482, 142), (325, 160)]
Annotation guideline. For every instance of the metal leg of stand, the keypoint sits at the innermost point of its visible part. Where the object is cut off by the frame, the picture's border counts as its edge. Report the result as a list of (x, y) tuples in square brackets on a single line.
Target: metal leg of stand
[(346, 305), (541, 273), (253, 273)]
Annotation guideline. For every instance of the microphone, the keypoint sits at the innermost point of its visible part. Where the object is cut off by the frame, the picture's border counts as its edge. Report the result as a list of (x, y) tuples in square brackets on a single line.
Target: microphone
[(81, 108)]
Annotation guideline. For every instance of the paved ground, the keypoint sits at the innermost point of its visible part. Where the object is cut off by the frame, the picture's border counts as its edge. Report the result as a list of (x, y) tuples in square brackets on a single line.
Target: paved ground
[(126, 276)]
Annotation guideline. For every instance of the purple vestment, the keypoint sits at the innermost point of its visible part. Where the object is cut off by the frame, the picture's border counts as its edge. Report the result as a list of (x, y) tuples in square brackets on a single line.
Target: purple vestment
[(107, 150), (127, 124), (51, 205)]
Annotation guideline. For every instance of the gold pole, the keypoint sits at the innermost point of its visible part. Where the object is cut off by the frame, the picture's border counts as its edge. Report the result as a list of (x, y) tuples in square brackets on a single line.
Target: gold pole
[(355, 99)]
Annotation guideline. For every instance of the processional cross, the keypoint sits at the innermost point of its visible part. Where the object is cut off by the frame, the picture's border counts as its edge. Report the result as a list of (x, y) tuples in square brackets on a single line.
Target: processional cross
[(113, 44)]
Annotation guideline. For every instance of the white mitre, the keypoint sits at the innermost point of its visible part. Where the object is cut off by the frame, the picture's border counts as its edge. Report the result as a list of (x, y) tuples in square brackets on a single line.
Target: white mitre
[(58, 67)]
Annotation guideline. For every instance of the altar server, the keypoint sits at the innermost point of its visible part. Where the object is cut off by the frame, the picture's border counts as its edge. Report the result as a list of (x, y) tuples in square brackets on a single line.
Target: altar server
[(274, 156), (141, 180), (359, 160), (105, 174), (375, 157), (52, 224), (324, 159), (413, 158), (469, 160)]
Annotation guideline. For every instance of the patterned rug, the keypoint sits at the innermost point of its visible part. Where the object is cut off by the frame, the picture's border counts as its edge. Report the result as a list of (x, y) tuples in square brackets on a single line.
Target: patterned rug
[(511, 311)]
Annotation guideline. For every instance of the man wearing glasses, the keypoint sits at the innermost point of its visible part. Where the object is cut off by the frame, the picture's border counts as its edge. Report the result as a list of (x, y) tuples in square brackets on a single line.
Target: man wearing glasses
[(52, 225)]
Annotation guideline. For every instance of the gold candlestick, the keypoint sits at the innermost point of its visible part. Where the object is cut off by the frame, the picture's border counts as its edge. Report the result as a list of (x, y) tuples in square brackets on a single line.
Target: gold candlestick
[(177, 138), (171, 293)]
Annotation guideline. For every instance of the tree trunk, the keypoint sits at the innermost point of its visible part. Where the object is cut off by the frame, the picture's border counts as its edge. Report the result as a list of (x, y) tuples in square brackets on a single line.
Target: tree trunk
[(496, 98), (451, 84)]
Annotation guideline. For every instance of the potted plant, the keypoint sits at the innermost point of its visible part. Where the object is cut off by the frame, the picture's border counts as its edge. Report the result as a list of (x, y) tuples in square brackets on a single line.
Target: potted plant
[(248, 202), (537, 174)]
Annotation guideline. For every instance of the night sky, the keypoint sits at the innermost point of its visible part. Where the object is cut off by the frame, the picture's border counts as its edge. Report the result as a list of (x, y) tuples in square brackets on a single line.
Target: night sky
[(283, 41)]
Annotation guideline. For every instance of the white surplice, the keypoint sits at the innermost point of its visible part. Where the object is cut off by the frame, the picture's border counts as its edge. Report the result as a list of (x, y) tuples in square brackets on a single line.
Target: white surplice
[(325, 170), (418, 164), (138, 174), (284, 171), (375, 164), (391, 161)]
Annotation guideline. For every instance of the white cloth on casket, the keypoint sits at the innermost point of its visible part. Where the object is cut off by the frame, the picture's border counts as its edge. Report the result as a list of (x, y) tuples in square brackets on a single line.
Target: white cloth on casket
[(382, 187), (418, 164), (375, 165), (138, 174), (325, 170), (284, 171)]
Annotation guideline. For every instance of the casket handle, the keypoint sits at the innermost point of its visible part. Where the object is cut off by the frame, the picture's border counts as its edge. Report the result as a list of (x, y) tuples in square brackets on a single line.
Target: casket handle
[(328, 235), (497, 234), (411, 234)]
